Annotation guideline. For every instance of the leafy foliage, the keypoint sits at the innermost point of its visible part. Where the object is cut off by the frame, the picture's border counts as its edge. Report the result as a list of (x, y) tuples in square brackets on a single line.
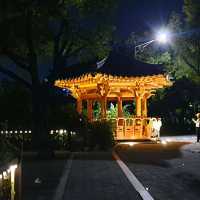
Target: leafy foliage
[(186, 42), (177, 105), (60, 29), (100, 135)]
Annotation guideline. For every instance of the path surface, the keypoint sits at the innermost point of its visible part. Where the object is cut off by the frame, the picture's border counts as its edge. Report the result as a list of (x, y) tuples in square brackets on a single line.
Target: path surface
[(170, 171), (167, 171), (97, 176), (41, 177)]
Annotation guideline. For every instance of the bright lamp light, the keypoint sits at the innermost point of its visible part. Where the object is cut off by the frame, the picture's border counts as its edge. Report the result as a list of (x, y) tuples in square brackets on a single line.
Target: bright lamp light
[(163, 36)]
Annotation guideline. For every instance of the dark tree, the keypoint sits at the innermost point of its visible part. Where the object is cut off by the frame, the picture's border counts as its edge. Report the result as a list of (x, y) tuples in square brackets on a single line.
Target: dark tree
[(58, 29)]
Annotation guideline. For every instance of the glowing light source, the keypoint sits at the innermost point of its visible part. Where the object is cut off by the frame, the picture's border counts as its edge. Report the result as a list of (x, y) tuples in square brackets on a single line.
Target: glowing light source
[(168, 140), (13, 167), (164, 142), (163, 36), (4, 174), (12, 175), (131, 144)]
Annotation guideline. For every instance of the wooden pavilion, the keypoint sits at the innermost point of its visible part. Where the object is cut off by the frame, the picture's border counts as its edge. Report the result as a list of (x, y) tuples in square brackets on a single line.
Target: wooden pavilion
[(117, 78)]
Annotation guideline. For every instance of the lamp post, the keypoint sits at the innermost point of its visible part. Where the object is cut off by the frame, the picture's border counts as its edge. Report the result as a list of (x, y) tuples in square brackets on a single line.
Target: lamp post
[(161, 37)]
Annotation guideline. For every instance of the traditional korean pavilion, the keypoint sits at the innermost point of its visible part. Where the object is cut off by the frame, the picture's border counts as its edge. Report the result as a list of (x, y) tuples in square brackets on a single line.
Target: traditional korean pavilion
[(116, 78)]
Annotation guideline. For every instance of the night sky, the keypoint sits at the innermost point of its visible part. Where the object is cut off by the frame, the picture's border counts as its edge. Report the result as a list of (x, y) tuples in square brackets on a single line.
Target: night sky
[(142, 15), (136, 16)]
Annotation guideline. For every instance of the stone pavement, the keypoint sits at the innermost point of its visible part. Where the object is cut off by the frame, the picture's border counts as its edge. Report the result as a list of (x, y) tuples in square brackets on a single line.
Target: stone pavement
[(41, 177), (170, 172), (97, 176), (92, 175)]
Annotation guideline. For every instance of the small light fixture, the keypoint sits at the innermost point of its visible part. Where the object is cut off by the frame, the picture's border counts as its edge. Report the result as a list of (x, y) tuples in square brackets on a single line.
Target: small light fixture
[(4, 174), (61, 131)]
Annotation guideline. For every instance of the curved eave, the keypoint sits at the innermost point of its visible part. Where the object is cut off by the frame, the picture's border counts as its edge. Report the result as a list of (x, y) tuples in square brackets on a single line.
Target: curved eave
[(91, 80)]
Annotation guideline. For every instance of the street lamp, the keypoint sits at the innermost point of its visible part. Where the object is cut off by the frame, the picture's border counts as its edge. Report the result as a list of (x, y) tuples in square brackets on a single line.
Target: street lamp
[(161, 37)]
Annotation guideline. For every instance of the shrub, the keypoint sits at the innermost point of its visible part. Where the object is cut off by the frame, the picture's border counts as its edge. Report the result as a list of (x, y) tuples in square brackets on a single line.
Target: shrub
[(100, 134), (8, 151)]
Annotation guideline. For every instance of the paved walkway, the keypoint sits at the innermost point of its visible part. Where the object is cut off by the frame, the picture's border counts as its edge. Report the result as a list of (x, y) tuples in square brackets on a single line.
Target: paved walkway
[(40, 178), (170, 171), (97, 176)]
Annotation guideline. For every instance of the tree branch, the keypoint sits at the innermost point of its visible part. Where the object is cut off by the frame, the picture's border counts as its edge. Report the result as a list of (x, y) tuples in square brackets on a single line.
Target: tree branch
[(190, 65), (70, 53), (14, 76), (66, 49)]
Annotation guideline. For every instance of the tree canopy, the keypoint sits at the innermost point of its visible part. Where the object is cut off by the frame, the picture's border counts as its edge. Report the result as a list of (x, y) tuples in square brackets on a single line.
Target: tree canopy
[(63, 30)]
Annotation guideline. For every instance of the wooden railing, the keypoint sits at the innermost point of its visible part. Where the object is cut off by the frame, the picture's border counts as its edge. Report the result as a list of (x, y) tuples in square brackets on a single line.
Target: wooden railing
[(132, 128)]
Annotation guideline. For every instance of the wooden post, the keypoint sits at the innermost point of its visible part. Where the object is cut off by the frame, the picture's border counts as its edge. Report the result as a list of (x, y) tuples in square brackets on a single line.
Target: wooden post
[(119, 105), (79, 106), (138, 106), (144, 107), (90, 109), (103, 107)]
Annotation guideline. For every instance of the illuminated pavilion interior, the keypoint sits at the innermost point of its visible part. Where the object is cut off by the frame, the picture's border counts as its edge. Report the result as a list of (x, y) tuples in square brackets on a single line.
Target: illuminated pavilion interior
[(117, 78)]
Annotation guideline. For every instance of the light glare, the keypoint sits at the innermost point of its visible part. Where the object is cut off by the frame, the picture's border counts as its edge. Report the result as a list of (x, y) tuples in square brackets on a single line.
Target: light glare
[(163, 36), (164, 142)]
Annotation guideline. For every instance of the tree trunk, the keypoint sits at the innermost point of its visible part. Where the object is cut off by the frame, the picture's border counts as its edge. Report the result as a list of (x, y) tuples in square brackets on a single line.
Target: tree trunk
[(41, 137)]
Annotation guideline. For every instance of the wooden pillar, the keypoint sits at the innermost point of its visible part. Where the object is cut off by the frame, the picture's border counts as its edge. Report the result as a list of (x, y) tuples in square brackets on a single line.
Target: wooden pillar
[(119, 106), (90, 109), (144, 107), (103, 107), (138, 106), (79, 106)]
